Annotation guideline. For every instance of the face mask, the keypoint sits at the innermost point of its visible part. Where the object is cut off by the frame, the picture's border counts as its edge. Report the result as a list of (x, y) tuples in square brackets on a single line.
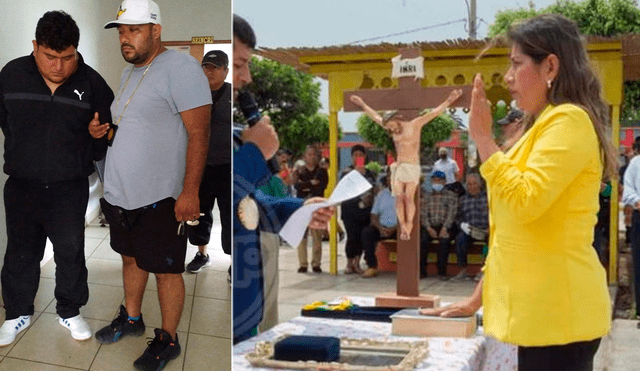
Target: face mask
[(437, 187), (444, 157)]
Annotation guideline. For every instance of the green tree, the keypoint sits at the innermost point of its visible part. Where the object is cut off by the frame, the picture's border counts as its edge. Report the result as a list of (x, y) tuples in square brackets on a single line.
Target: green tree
[(437, 130), (593, 17), (291, 99), (306, 130)]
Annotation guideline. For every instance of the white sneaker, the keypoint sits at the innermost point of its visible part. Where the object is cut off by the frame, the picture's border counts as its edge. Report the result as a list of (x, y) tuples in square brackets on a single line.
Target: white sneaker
[(11, 328), (78, 326)]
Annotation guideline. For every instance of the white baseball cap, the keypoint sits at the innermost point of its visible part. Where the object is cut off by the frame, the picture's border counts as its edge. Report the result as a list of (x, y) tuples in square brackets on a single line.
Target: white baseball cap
[(136, 12)]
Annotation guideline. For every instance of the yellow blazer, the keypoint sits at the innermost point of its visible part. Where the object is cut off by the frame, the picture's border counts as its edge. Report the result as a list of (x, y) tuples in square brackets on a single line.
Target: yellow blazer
[(543, 283)]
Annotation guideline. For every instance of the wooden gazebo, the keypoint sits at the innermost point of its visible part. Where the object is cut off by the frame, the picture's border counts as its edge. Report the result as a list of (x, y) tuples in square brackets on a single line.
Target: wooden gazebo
[(448, 63)]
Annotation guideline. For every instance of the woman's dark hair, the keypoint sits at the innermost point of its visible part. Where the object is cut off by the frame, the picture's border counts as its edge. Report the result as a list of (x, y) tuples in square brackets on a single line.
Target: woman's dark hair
[(243, 31), (57, 30), (576, 82)]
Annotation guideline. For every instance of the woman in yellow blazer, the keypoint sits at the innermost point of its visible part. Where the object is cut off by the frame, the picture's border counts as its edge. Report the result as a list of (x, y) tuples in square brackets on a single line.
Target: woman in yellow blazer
[(544, 288)]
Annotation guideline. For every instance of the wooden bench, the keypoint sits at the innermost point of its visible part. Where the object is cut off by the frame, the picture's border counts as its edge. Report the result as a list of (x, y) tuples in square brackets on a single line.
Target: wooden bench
[(386, 256)]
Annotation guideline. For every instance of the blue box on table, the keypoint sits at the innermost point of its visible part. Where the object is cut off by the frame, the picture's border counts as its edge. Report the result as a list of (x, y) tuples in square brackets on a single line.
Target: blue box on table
[(307, 348)]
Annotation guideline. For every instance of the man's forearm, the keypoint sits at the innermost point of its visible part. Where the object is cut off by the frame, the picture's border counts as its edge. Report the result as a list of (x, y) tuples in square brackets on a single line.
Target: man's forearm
[(197, 124), (197, 148)]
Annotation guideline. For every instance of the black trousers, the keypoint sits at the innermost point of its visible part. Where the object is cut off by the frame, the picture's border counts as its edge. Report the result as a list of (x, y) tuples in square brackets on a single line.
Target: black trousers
[(35, 212), (370, 237), (569, 357), (444, 245), (353, 225), (215, 186)]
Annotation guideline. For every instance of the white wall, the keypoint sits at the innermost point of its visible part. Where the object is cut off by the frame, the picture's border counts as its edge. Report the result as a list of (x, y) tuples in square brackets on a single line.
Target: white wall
[(183, 19), (180, 21), (227, 48)]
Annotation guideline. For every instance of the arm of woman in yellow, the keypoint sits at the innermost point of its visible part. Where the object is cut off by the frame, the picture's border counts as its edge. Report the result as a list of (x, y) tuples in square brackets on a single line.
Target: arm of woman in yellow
[(464, 308), (564, 141)]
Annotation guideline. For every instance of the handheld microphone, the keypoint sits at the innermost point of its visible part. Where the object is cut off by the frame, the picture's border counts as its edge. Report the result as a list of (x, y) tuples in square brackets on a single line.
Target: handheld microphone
[(249, 108)]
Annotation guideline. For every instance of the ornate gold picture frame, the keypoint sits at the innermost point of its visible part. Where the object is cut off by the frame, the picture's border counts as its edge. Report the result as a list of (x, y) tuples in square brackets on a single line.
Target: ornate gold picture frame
[(355, 355)]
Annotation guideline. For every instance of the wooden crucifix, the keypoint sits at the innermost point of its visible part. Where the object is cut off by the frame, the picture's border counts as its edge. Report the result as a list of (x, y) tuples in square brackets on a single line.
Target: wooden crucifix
[(408, 100)]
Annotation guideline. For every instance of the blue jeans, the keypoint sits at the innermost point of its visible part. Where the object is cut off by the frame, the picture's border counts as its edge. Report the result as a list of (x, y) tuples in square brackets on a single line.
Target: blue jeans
[(463, 244)]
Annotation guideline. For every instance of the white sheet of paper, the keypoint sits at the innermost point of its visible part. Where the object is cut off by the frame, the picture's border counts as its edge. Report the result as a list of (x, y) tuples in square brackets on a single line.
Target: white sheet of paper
[(352, 185)]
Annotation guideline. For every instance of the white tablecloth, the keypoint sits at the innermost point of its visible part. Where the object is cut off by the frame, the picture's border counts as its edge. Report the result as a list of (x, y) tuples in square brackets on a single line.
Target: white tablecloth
[(445, 354)]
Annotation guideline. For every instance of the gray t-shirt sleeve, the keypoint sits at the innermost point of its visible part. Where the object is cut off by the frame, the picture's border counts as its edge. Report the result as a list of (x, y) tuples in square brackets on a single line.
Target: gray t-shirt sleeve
[(188, 85)]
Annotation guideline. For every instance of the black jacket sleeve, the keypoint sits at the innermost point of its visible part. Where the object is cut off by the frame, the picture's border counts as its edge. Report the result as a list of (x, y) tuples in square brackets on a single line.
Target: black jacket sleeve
[(103, 97), (3, 109)]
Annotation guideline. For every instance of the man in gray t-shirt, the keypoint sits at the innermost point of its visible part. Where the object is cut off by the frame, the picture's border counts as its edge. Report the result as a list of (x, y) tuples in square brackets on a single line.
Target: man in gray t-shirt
[(146, 162), (152, 174)]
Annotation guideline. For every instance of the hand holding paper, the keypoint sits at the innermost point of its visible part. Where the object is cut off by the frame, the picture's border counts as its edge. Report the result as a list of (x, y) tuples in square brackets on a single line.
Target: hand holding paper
[(352, 185)]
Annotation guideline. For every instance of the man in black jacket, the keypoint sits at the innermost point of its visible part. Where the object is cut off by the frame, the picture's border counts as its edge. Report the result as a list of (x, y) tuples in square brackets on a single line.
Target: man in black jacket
[(216, 180), (52, 107)]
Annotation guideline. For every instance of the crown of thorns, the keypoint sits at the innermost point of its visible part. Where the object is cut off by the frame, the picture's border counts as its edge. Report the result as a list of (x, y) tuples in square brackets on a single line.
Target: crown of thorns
[(388, 116)]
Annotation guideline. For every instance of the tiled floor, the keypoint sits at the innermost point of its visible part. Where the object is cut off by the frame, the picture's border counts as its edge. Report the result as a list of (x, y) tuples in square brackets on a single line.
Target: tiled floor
[(204, 331)]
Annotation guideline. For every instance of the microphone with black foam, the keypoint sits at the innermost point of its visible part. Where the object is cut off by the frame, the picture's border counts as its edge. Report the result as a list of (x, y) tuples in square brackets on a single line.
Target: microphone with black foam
[(249, 108), (251, 113)]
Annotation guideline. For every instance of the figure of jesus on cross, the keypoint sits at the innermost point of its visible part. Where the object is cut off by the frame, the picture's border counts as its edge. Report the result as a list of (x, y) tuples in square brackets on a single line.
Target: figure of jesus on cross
[(405, 172)]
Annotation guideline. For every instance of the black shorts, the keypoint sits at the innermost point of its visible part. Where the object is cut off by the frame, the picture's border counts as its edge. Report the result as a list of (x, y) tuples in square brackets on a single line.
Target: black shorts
[(148, 234)]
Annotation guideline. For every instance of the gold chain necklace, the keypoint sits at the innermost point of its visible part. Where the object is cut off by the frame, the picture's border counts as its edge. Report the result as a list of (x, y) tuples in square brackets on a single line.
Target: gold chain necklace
[(132, 94)]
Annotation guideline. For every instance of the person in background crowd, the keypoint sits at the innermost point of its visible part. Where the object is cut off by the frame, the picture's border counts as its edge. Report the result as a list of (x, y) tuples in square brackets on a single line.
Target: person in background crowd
[(631, 200), (437, 214), (384, 224), (285, 172), (356, 213), (311, 180), (324, 163), (473, 218), (601, 231), (628, 210), (512, 128), (448, 166)]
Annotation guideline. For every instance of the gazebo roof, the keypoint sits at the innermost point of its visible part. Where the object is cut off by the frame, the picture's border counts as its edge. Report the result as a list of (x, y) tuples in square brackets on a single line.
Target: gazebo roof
[(303, 58)]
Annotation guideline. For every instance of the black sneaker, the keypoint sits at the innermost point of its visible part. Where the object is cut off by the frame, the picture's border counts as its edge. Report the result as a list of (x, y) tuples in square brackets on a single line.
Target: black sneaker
[(119, 327), (160, 351), (199, 261)]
